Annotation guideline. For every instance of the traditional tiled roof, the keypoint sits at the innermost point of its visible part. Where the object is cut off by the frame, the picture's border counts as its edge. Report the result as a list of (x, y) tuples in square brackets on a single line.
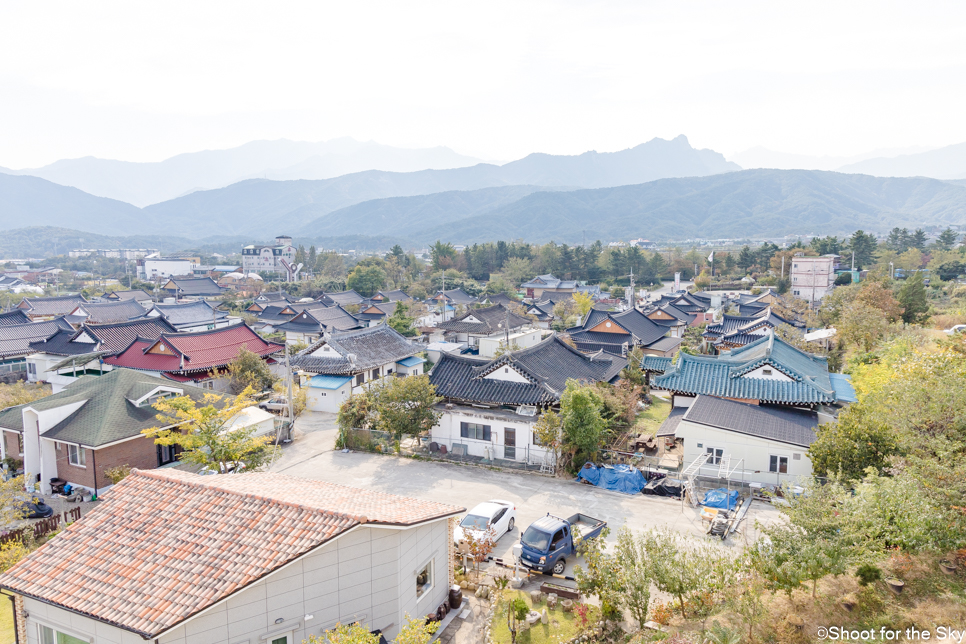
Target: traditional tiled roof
[(136, 295), (16, 316), (15, 339), (728, 375), (542, 310), (454, 296), (355, 351), (114, 338), (680, 317), (633, 329), (193, 352), (737, 331), (189, 314), (279, 296), (164, 545), (548, 281), (313, 321), (109, 312), (501, 298), (392, 296), (345, 298), (193, 286), (46, 306), (546, 368), (485, 321), (376, 310), (655, 364), (791, 426), (108, 412), (665, 344)]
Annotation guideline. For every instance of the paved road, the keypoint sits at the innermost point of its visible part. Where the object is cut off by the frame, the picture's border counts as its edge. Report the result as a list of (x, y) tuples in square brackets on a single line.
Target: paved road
[(311, 455)]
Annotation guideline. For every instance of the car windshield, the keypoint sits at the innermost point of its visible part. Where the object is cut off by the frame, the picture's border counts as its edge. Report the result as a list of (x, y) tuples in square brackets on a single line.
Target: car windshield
[(535, 539), (474, 522)]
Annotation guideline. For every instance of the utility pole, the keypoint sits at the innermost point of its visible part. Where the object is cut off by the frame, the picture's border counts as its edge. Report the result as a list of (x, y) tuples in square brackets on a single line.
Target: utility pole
[(291, 405), (783, 267), (633, 297), (853, 260)]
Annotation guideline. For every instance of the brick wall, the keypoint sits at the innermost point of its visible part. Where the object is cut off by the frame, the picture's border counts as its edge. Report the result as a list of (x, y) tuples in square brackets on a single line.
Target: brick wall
[(140, 453), (12, 445)]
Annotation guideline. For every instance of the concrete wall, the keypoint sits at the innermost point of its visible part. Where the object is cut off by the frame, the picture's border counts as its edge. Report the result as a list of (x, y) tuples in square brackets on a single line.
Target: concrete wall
[(367, 575), (447, 432), (327, 400), (755, 452)]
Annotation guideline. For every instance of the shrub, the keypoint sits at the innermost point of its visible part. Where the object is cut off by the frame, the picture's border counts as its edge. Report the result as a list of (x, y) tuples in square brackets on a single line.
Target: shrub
[(867, 574)]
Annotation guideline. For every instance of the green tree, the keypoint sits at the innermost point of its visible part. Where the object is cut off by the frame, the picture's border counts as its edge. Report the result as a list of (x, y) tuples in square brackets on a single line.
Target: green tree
[(632, 565), (443, 256), (366, 280), (582, 423), (517, 271), (405, 406), (207, 434), (746, 259), (919, 239), (864, 246), (633, 372), (861, 438), (946, 239), (414, 631), (249, 370), (912, 297), (401, 322), (601, 576)]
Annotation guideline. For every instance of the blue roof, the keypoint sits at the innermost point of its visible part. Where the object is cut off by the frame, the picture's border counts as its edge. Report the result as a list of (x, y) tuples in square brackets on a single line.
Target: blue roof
[(411, 361), (328, 382), (842, 385)]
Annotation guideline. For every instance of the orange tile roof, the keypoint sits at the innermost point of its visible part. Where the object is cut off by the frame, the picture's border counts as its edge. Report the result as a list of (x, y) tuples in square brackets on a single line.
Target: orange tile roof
[(167, 544)]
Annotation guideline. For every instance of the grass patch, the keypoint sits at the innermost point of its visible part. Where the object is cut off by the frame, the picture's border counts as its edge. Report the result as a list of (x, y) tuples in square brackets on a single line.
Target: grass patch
[(7, 635), (562, 626), (649, 420)]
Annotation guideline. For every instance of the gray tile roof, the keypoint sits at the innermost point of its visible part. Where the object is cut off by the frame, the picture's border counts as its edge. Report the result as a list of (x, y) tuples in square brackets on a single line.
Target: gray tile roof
[(189, 314), (724, 375), (345, 298), (639, 331), (791, 426), (44, 306), (114, 338), (16, 316), (547, 367), (395, 296), (15, 339), (194, 286), (489, 320), (110, 312), (454, 296), (665, 344), (548, 281), (355, 351), (135, 294), (107, 413), (670, 424), (332, 318)]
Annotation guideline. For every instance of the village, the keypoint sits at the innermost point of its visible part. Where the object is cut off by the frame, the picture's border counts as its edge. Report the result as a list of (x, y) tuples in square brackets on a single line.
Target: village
[(506, 439)]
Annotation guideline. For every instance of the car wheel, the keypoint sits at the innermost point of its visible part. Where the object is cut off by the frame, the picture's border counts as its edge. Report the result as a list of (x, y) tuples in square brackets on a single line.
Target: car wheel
[(509, 526), (559, 567)]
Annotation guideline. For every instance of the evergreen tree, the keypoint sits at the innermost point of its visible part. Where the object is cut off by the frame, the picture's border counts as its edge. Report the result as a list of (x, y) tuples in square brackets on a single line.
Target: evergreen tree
[(919, 239), (746, 259), (864, 245), (946, 240), (912, 297), (898, 240)]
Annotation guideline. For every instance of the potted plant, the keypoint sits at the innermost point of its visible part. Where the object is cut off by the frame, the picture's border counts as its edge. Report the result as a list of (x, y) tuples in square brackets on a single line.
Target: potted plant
[(895, 584), (947, 566)]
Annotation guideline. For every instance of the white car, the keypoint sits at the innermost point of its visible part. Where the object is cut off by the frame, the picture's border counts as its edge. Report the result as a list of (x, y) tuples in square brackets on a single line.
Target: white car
[(959, 328), (492, 518)]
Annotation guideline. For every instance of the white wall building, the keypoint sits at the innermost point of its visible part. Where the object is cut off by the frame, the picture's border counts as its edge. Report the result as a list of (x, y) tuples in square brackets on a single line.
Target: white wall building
[(766, 445), (154, 268), (268, 258), (308, 556), (490, 433), (812, 277)]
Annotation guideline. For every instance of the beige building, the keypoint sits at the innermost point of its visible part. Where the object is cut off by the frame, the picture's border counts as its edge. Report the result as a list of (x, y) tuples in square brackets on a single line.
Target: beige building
[(812, 277)]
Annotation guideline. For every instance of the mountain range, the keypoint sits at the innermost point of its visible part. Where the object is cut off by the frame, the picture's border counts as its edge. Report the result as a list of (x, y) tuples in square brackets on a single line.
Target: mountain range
[(142, 184)]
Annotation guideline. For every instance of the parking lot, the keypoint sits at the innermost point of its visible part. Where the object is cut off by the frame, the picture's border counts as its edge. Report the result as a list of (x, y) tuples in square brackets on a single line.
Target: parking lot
[(312, 456)]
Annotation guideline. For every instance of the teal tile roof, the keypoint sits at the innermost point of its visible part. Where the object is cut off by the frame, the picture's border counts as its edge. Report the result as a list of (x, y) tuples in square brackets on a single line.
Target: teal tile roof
[(411, 361), (844, 390), (328, 382), (727, 375), (655, 364)]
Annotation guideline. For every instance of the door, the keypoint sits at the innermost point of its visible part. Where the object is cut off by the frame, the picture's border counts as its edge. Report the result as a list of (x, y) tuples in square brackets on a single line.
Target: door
[(509, 443)]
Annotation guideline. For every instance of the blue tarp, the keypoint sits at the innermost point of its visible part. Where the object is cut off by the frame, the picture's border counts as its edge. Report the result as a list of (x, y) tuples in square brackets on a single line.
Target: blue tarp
[(721, 498), (619, 478)]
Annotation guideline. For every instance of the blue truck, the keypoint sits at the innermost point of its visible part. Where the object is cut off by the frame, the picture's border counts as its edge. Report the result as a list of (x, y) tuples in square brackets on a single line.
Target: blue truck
[(546, 544)]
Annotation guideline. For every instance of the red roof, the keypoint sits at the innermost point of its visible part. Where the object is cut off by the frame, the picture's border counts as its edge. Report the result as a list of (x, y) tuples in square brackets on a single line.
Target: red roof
[(164, 545), (187, 352)]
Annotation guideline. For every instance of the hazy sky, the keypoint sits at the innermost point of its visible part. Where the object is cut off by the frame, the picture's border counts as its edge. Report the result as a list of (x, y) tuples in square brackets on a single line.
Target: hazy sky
[(144, 81)]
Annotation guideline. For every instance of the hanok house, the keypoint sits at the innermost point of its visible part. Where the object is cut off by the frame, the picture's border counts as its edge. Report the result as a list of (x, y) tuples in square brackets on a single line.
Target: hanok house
[(701, 308), (16, 316), (106, 312), (391, 296), (310, 324), (490, 322), (768, 371), (192, 288), (543, 284), (191, 317), (752, 443), (62, 357), (671, 317), (200, 358), (736, 330), (619, 333), (342, 298), (48, 308), (542, 312), (15, 346), (298, 557), (91, 426), (341, 364), (445, 302), (136, 295), (376, 312), (490, 406)]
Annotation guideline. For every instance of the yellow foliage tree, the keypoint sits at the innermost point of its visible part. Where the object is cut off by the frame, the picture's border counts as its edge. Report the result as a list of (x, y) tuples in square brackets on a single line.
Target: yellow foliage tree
[(206, 434)]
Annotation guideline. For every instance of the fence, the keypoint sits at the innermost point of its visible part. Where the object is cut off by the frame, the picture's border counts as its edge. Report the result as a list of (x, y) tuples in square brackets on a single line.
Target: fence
[(43, 527)]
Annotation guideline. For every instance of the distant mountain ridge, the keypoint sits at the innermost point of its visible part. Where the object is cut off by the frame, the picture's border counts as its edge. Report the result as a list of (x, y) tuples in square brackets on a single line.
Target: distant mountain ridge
[(943, 163), (142, 184)]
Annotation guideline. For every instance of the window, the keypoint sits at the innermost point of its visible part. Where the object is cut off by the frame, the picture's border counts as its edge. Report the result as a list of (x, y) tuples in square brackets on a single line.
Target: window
[(280, 640), (168, 454), (766, 372), (716, 454), (424, 579), (795, 293), (360, 378), (50, 636), (475, 431), (778, 464), (76, 455), (375, 373), (208, 384)]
